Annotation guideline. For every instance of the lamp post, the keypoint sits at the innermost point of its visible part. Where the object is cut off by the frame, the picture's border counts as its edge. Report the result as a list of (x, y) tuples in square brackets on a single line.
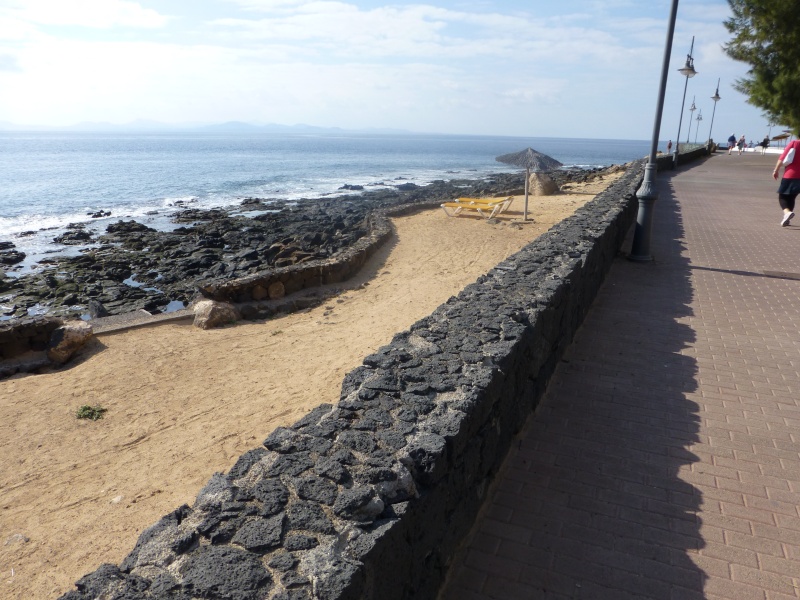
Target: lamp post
[(687, 71), (647, 193), (692, 108), (716, 99), (697, 129)]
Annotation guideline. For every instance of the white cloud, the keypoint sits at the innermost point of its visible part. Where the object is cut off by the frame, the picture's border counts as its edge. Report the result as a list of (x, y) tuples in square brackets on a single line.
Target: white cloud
[(493, 68), (342, 31), (9, 63), (100, 14), (268, 5), (13, 30)]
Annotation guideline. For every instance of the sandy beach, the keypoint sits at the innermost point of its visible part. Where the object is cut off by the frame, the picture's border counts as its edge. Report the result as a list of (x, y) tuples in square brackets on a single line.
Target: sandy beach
[(183, 403)]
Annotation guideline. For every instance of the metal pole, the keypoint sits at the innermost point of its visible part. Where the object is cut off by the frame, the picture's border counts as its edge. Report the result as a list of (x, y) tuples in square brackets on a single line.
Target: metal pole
[(697, 129), (683, 103), (692, 108), (647, 193), (716, 99), (680, 122)]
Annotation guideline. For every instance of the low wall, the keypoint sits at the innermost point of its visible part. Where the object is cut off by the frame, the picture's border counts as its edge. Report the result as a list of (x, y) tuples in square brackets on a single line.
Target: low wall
[(277, 283), (689, 156), (25, 335), (370, 498), (24, 342)]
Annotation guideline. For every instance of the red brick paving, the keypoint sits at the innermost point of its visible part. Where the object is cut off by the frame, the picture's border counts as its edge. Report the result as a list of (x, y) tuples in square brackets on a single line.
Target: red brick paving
[(664, 461)]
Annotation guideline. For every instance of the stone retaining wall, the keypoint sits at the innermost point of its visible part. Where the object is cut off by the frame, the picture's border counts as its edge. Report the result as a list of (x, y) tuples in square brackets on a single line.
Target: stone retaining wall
[(277, 283), (24, 344), (370, 498), (26, 335)]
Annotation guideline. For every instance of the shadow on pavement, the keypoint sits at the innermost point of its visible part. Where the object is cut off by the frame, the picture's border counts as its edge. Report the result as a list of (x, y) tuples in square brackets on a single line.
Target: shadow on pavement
[(595, 500)]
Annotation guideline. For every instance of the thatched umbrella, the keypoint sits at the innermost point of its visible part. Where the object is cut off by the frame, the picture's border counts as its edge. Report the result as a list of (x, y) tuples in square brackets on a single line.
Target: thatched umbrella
[(533, 162)]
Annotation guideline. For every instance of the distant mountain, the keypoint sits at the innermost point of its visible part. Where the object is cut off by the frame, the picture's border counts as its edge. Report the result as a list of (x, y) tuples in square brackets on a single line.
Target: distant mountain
[(299, 128), (228, 127), (96, 126), (251, 127), (6, 126)]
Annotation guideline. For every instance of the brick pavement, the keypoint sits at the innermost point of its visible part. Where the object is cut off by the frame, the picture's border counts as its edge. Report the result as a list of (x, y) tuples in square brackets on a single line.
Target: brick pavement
[(664, 461)]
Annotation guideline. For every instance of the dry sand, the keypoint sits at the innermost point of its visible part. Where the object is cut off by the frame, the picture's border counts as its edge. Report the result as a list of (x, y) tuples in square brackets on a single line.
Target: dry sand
[(184, 403)]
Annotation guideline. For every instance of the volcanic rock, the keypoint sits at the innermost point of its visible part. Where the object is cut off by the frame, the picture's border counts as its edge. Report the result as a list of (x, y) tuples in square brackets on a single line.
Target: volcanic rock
[(67, 340), (209, 314)]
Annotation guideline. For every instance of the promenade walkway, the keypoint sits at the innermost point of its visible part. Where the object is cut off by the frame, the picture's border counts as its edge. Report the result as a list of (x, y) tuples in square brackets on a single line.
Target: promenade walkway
[(664, 461)]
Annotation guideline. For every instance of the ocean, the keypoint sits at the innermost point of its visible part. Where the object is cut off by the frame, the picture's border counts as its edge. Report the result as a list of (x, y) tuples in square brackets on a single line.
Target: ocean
[(49, 180)]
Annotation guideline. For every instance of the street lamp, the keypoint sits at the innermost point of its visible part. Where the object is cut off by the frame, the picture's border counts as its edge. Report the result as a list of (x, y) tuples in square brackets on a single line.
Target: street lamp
[(687, 71), (697, 129), (716, 99), (692, 108), (647, 193)]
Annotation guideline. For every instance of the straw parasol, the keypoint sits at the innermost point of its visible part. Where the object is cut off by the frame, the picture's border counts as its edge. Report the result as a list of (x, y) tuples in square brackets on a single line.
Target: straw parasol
[(533, 162)]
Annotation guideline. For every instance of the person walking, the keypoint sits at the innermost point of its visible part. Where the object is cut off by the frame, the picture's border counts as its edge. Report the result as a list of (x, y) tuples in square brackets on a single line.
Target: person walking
[(790, 182), (740, 144), (764, 145), (731, 143), (669, 147)]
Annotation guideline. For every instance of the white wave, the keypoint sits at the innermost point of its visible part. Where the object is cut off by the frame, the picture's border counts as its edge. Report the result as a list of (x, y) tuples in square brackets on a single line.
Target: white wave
[(34, 222)]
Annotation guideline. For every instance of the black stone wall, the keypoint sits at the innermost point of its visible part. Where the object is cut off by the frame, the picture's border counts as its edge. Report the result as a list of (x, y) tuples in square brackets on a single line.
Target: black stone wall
[(369, 498), (295, 278), (25, 335), (23, 343), (666, 161)]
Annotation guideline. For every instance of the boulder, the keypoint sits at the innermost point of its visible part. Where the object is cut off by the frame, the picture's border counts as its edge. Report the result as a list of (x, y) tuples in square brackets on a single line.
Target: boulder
[(128, 227), (74, 237), (67, 340), (276, 290), (96, 309), (541, 184), (259, 293), (209, 314), (11, 256)]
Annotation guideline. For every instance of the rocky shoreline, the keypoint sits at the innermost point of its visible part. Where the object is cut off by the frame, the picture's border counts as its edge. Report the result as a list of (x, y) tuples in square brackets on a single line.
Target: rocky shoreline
[(134, 267)]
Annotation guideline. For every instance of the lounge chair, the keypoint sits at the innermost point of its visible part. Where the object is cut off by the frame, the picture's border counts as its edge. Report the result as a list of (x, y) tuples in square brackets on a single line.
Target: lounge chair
[(485, 207)]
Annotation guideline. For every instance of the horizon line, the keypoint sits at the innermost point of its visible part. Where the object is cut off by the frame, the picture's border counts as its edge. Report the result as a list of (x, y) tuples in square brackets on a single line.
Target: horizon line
[(144, 126)]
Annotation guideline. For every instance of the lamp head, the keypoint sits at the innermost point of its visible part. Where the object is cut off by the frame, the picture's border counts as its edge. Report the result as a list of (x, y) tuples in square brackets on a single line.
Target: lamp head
[(716, 97), (688, 68)]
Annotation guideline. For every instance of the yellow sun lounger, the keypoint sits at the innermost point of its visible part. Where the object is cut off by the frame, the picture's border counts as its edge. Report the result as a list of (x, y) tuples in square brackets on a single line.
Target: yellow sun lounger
[(485, 207)]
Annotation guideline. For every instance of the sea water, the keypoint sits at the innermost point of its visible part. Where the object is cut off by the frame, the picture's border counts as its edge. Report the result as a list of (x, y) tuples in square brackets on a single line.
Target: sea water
[(49, 180)]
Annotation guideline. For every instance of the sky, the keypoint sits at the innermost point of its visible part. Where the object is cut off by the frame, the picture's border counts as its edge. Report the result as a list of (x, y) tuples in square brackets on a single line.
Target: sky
[(539, 68)]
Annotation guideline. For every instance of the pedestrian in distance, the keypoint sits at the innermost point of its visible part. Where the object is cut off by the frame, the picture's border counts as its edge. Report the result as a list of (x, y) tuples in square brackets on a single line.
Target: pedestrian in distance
[(669, 147), (790, 182), (764, 145), (740, 144), (731, 143)]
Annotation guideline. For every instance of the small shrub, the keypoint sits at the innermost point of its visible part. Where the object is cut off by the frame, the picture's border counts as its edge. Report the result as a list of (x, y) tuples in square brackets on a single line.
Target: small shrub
[(90, 412)]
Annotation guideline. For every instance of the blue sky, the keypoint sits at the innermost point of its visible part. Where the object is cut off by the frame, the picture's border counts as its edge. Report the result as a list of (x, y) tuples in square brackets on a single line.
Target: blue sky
[(573, 68)]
